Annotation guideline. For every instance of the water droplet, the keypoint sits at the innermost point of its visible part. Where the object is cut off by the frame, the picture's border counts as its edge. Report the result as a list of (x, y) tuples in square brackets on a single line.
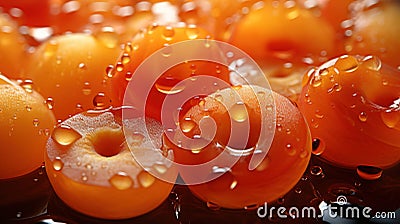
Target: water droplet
[(264, 164), (160, 168), (390, 118), (65, 135), (49, 102), (121, 181), (307, 77), (318, 146), (108, 37), (192, 32), (316, 81), (346, 63), (119, 67), (207, 41), (298, 190), (135, 139), (187, 125), (82, 65), (19, 214), (145, 179), (238, 112), (293, 13), (166, 51), (369, 172), (87, 89), (110, 71), (290, 150), (27, 85), (168, 33), (363, 116), (316, 170), (84, 178), (36, 122), (318, 114), (372, 62), (101, 101), (58, 164), (28, 108), (125, 58), (128, 76), (213, 206), (166, 85)]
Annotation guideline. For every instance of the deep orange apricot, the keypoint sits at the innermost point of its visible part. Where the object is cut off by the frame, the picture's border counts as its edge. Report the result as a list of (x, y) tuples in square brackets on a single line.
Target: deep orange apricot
[(352, 106), (282, 29), (375, 30), (146, 43), (237, 186), (91, 168), (12, 48), (71, 70), (26, 123)]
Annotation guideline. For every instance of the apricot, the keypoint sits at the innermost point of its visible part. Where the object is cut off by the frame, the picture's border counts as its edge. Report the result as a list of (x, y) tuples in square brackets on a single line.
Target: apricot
[(71, 70), (26, 123), (91, 168)]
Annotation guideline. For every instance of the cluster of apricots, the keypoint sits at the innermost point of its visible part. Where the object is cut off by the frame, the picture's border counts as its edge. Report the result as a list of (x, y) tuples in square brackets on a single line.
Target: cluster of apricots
[(66, 66)]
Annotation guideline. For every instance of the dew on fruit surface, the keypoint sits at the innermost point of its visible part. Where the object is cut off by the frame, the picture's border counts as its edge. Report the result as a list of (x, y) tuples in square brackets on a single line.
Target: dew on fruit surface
[(187, 125), (119, 67), (213, 206), (319, 114), (307, 77), (316, 81), (369, 172), (318, 146), (110, 71), (160, 168), (264, 164), (168, 33), (390, 118), (363, 116), (166, 85), (372, 63), (121, 181), (145, 179), (49, 103), (166, 51), (135, 139), (84, 177), (290, 150), (27, 85), (108, 37), (28, 108), (192, 32), (207, 41), (82, 65), (125, 58), (58, 164), (101, 101), (36, 122), (128, 76), (87, 88), (238, 112), (65, 135), (297, 190), (346, 63)]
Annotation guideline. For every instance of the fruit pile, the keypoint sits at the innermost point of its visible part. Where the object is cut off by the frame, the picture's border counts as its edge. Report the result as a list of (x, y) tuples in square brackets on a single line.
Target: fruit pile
[(87, 88)]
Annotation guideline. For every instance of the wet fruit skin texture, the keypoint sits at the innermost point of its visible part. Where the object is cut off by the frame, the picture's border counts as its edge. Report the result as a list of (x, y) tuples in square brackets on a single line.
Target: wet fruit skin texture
[(282, 31), (92, 170), (278, 172), (70, 69), (12, 48), (375, 31), (352, 106), (23, 115), (146, 43)]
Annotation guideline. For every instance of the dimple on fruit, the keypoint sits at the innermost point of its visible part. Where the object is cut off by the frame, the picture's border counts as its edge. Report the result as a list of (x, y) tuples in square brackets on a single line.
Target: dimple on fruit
[(91, 168), (352, 106), (26, 123)]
